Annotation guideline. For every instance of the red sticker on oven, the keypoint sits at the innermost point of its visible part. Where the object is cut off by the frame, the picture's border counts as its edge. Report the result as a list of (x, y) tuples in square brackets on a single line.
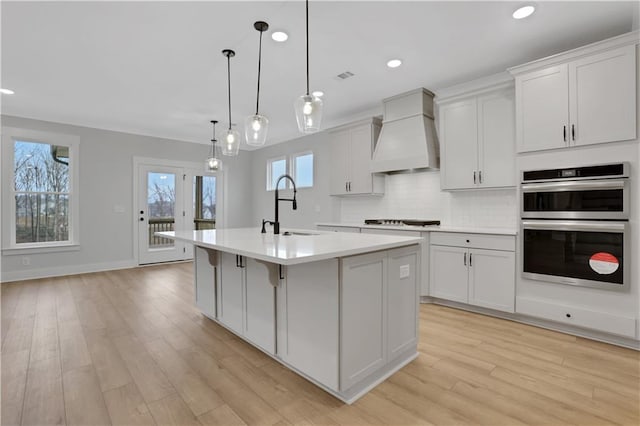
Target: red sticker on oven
[(604, 263)]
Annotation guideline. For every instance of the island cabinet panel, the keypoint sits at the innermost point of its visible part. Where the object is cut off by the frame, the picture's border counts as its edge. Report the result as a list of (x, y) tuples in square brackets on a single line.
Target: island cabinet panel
[(259, 295), (404, 274), (230, 290), (363, 317), (205, 280), (308, 320)]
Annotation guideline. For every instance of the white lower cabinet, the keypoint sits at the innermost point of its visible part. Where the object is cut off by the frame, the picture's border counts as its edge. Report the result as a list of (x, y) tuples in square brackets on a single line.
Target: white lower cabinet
[(379, 295), (247, 299), (205, 280), (475, 269)]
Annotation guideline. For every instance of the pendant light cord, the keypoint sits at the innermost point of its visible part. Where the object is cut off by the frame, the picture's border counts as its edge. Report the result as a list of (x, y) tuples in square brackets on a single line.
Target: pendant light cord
[(307, 20), (229, 86), (259, 66)]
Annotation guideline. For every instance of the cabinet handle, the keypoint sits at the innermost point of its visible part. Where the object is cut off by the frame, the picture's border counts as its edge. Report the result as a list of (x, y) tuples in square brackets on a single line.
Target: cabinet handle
[(564, 133), (349, 186), (474, 177), (239, 261), (573, 132), (281, 272), (480, 176), (470, 259), (346, 187), (465, 259)]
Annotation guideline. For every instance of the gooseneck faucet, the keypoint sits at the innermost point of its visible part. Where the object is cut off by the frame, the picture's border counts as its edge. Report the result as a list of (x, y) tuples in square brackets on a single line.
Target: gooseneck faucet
[(276, 222)]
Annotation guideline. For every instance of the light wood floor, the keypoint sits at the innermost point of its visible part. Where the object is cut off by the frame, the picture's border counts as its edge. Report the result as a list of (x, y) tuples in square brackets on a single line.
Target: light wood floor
[(128, 347)]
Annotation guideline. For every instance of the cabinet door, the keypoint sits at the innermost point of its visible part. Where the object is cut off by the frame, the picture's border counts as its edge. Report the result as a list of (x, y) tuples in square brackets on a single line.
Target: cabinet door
[(230, 292), (308, 320), (261, 282), (360, 179), (602, 92), (363, 288), (205, 280), (496, 140), (449, 274), (492, 279), (402, 300), (542, 109), (459, 135), (340, 158)]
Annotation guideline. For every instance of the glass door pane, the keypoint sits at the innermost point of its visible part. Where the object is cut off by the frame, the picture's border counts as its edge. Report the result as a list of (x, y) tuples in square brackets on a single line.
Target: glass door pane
[(204, 202), (161, 207)]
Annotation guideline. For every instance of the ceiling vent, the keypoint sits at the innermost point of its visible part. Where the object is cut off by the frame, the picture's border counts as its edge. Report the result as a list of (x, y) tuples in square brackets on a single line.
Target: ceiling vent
[(345, 75)]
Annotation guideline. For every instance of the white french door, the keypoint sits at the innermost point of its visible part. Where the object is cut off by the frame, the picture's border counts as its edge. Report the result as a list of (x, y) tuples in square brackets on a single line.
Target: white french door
[(172, 198)]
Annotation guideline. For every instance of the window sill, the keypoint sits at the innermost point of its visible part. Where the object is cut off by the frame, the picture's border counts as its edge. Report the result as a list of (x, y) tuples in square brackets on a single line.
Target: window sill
[(16, 251)]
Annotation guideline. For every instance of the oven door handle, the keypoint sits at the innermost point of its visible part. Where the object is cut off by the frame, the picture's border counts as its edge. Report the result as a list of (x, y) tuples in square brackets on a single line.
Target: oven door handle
[(583, 185), (573, 225)]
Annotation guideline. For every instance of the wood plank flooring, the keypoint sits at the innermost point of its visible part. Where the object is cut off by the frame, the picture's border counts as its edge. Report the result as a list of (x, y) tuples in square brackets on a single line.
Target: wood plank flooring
[(129, 348)]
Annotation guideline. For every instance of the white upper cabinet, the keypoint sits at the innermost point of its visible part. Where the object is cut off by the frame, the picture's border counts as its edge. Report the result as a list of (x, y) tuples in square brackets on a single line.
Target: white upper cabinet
[(602, 96), (477, 139), (351, 149), (585, 96)]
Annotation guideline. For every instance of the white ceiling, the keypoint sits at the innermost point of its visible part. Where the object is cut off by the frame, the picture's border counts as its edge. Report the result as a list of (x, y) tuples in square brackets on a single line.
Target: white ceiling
[(156, 68)]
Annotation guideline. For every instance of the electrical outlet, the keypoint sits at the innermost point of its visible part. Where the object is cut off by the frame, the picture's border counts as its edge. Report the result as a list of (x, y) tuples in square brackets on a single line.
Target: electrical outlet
[(404, 271), (26, 261)]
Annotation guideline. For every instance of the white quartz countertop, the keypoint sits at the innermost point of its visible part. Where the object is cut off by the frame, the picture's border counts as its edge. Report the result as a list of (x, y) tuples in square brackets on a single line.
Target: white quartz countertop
[(290, 249), (433, 228)]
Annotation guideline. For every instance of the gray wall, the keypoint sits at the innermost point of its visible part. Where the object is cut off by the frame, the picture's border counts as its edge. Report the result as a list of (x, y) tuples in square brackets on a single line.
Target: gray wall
[(314, 204), (106, 180)]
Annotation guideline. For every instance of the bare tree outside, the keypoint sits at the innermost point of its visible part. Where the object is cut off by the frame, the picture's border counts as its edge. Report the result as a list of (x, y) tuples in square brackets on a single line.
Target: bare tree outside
[(41, 193)]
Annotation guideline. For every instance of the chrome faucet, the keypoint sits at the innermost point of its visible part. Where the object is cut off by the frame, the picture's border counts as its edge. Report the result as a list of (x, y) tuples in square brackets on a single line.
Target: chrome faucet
[(276, 223)]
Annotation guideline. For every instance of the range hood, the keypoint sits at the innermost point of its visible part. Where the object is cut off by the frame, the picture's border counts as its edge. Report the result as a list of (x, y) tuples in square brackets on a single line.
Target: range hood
[(408, 140)]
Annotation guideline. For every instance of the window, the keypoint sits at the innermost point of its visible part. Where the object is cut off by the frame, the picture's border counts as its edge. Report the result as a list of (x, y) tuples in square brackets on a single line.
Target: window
[(41, 200), (299, 166), (276, 168), (303, 169)]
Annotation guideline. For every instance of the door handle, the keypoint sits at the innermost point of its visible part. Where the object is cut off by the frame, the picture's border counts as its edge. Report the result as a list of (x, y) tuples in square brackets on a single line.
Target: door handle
[(465, 259)]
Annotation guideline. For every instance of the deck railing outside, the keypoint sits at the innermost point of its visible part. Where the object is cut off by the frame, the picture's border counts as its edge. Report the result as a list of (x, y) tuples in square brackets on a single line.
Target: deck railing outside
[(167, 224)]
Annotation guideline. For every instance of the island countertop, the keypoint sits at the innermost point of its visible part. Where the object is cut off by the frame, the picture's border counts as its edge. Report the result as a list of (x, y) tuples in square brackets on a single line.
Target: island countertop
[(289, 249)]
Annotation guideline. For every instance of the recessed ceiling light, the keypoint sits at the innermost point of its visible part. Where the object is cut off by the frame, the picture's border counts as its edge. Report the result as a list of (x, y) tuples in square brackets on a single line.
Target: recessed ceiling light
[(318, 93), (523, 12), (394, 63), (7, 91), (279, 36)]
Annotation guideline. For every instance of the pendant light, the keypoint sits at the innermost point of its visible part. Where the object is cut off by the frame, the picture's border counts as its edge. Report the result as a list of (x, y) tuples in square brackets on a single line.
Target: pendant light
[(308, 107), (231, 139), (213, 163), (256, 126)]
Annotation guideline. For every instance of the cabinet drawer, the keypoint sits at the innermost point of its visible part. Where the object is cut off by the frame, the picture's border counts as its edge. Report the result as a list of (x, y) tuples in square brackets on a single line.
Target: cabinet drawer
[(485, 241), (338, 229), (577, 316), (398, 233)]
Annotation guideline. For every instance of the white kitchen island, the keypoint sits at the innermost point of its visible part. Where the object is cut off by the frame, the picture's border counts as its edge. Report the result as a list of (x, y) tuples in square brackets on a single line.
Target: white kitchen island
[(339, 309)]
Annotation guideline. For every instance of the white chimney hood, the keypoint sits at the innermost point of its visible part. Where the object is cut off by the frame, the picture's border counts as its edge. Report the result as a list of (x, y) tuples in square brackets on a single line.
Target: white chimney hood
[(408, 138)]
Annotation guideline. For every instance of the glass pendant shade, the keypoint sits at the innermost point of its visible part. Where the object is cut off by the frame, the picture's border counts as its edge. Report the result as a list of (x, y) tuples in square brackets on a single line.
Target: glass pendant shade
[(255, 129), (231, 142), (213, 164), (308, 113)]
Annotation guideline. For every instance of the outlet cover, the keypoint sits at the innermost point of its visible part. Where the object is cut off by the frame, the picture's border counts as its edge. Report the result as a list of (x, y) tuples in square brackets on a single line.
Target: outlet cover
[(404, 271)]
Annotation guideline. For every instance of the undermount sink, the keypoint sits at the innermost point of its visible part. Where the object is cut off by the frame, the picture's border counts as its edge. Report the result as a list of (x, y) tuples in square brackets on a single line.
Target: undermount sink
[(288, 233)]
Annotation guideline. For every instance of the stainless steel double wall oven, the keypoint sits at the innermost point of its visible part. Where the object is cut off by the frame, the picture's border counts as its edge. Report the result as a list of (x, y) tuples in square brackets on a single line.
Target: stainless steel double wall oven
[(575, 226)]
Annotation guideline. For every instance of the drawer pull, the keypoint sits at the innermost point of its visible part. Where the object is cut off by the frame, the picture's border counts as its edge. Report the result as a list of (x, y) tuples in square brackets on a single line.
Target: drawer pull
[(568, 315)]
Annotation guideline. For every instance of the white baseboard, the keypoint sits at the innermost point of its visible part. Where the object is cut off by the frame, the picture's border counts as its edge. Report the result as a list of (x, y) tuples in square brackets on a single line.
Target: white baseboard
[(539, 322), (57, 271)]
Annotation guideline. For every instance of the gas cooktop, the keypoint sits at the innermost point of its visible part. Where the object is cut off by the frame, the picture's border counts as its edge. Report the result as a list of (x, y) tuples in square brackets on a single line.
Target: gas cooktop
[(401, 222)]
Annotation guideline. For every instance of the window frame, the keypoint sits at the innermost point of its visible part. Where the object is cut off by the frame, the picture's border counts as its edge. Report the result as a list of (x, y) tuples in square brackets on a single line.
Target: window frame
[(9, 136), (270, 162), (292, 167)]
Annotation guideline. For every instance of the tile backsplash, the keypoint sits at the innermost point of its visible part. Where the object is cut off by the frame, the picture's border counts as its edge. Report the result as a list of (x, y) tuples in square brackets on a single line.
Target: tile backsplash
[(418, 195)]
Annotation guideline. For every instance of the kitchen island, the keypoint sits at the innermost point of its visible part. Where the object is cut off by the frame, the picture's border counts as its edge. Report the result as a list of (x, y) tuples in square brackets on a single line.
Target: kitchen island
[(339, 309)]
